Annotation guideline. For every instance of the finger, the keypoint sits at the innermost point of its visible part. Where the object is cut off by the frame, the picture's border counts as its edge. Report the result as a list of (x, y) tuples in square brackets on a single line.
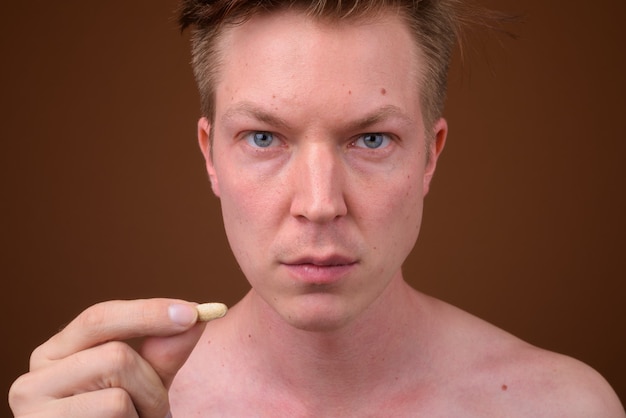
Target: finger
[(105, 403), (107, 366), (116, 320)]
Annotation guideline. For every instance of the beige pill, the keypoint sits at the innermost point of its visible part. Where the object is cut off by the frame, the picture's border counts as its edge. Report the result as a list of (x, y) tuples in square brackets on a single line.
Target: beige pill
[(211, 311)]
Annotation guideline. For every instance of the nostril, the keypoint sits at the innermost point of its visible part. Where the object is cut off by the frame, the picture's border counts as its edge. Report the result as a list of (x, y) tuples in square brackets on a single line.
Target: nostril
[(320, 210)]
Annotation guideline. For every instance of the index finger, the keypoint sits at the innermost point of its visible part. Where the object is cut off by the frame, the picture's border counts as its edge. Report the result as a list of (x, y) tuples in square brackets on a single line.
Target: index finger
[(117, 320)]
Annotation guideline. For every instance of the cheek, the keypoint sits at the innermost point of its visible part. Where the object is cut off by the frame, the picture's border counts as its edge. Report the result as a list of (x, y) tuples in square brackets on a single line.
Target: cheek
[(249, 209), (238, 215), (242, 207), (400, 216), (400, 193)]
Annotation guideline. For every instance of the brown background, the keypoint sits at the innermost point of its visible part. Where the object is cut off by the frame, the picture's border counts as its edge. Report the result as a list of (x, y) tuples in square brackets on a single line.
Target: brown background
[(104, 193)]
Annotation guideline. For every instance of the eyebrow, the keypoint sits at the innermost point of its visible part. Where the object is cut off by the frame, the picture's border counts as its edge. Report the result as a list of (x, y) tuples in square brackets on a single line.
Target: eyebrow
[(379, 115), (251, 110)]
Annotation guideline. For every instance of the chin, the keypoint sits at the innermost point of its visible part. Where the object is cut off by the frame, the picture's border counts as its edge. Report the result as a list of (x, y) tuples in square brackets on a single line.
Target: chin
[(318, 313)]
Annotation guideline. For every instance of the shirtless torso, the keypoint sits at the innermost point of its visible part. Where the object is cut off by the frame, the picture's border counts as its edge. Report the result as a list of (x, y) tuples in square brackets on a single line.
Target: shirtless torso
[(444, 362)]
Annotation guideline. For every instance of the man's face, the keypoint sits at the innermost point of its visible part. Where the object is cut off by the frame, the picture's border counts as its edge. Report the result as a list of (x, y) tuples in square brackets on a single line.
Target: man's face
[(319, 159)]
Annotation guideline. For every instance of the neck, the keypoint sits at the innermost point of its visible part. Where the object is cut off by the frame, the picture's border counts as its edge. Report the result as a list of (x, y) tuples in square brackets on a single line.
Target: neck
[(341, 364)]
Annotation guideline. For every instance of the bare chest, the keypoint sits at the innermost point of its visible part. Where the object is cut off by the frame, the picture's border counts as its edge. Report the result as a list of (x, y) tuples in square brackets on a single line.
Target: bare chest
[(251, 398)]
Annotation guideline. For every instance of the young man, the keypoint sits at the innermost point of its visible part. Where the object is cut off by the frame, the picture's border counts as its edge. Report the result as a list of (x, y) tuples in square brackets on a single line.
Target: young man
[(321, 134)]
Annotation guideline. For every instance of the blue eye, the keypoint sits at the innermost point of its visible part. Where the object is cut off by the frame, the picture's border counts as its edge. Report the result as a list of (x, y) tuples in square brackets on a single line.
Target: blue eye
[(260, 139), (372, 141)]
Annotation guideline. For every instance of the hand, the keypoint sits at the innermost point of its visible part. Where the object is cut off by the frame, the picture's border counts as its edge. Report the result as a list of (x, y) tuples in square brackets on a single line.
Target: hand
[(87, 370)]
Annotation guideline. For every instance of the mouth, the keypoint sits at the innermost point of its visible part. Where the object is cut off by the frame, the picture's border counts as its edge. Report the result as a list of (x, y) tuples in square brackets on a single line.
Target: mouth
[(331, 261), (320, 270)]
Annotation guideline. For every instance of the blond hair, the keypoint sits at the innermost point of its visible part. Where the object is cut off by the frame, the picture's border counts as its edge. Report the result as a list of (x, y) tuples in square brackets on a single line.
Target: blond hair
[(435, 25)]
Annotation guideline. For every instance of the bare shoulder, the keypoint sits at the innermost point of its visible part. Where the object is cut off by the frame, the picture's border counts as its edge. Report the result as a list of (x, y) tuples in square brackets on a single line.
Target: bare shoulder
[(506, 374), (573, 387), (552, 384), (202, 384)]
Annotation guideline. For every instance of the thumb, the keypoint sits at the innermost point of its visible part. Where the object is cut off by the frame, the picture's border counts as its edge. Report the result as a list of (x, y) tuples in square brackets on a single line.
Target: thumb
[(167, 355)]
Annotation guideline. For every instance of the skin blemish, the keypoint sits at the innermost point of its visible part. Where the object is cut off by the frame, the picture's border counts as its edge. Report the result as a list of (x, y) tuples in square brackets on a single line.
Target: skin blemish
[(383, 91), (504, 387), (349, 91)]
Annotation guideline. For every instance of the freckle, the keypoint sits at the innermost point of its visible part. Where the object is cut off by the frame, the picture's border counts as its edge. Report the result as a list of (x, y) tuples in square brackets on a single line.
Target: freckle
[(383, 91), (504, 387), (349, 91), (249, 336)]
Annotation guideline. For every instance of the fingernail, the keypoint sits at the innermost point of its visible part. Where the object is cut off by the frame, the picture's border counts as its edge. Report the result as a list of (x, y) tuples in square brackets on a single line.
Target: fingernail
[(184, 315)]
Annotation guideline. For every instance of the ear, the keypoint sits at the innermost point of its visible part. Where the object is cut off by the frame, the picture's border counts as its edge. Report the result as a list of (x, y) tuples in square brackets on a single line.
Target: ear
[(439, 134), (204, 140)]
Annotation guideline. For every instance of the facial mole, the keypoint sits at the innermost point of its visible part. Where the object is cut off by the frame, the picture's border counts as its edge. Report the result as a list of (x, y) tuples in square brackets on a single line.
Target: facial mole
[(383, 91), (349, 91), (504, 387)]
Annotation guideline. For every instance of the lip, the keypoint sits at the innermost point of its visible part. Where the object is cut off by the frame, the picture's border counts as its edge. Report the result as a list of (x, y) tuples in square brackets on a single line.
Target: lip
[(320, 271)]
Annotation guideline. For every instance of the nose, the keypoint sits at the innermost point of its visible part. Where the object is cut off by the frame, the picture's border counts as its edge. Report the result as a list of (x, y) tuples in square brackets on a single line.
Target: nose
[(318, 181)]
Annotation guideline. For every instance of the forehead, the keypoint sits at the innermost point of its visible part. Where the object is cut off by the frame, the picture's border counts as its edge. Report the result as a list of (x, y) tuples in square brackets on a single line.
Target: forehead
[(321, 65)]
